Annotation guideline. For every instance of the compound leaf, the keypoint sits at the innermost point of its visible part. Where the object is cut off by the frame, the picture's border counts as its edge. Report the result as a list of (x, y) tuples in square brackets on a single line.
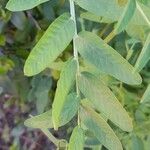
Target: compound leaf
[(53, 42)]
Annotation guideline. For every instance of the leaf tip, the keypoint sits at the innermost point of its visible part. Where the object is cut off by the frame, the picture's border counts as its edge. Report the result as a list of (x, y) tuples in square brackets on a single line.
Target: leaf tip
[(55, 126), (128, 125), (139, 79), (55, 123), (9, 6), (28, 71), (26, 123)]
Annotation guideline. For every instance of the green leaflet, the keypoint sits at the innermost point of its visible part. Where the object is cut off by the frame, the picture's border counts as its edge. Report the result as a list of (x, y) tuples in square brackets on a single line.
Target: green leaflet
[(144, 56), (57, 65), (20, 5), (107, 8), (50, 46), (91, 17), (66, 81), (41, 86), (95, 18), (138, 18), (136, 31), (77, 139), (104, 100), (101, 130), (146, 96), (95, 51), (42, 100), (144, 1), (90, 139), (126, 16), (70, 108), (110, 10), (44, 121), (137, 143)]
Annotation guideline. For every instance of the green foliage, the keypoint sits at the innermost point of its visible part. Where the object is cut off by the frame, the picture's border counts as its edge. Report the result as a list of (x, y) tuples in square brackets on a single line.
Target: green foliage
[(136, 143), (105, 58), (53, 42), (109, 9), (42, 121), (104, 101), (101, 130), (15, 5), (77, 139), (5, 65), (144, 55), (99, 86), (70, 108), (40, 91), (64, 85), (126, 16), (146, 96)]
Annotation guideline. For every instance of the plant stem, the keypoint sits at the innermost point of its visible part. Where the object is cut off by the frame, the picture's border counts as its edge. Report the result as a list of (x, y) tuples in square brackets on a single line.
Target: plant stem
[(73, 17), (130, 51), (110, 37), (33, 20), (50, 136), (72, 12), (104, 30)]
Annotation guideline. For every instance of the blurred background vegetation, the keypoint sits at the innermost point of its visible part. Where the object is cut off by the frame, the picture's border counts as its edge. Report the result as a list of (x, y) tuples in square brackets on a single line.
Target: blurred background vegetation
[(21, 96)]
